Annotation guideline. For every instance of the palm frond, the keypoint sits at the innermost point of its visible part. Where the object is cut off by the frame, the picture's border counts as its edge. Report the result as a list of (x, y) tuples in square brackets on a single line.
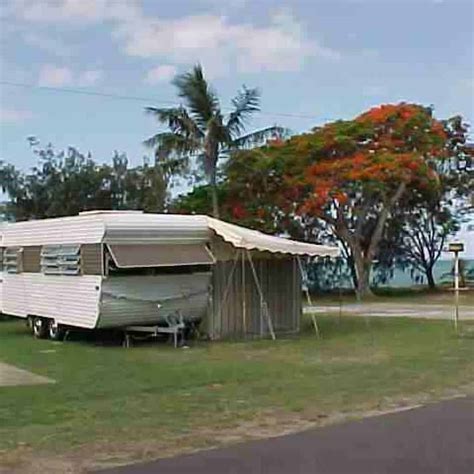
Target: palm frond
[(198, 96), (168, 142), (245, 103), (218, 131), (173, 152), (177, 120), (259, 137)]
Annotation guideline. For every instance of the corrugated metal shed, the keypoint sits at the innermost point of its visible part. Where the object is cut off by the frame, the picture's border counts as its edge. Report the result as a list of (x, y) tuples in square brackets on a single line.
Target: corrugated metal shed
[(237, 308)]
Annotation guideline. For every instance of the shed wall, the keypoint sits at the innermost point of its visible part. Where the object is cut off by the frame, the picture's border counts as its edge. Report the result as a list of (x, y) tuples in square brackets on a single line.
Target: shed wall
[(239, 315)]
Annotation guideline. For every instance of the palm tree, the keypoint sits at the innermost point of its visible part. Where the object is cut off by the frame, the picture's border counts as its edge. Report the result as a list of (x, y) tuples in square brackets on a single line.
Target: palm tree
[(200, 129)]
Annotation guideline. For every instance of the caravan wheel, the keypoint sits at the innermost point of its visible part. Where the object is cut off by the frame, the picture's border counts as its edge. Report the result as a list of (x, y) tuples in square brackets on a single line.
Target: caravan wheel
[(40, 329), (55, 331), (29, 322)]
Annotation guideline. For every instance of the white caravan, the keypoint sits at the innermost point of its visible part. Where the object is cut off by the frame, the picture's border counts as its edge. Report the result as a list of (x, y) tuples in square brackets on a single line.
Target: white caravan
[(113, 269)]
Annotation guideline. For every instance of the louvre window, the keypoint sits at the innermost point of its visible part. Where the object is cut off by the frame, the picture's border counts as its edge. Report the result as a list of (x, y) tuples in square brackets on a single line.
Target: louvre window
[(12, 260), (61, 259)]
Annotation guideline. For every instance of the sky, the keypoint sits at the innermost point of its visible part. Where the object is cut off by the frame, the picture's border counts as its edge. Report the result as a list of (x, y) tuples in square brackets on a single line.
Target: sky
[(313, 60)]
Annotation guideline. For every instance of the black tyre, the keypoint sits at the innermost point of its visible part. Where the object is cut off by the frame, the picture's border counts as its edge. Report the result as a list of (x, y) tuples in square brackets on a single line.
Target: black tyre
[(40, 328), (56, 332), (29, 323)]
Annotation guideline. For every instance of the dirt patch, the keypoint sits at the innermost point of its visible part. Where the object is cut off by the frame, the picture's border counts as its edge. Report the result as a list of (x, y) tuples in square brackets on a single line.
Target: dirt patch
[(11, 376)]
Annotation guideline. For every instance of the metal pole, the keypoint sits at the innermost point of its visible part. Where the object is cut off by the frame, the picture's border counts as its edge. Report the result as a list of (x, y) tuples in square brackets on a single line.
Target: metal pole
[(244, 294), (456, 290), (339, 263), (226, 291), (304, 277)]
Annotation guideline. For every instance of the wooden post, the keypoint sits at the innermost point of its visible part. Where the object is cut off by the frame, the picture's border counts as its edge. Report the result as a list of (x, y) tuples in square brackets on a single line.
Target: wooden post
[(456, 247)]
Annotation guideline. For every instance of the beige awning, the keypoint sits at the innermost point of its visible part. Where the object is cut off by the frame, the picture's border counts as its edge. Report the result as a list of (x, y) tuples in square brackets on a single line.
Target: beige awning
[(241, 237), (160, 255)]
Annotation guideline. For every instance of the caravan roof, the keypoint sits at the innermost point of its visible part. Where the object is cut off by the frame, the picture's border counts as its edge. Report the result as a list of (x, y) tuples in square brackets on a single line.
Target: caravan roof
[(136, 227)]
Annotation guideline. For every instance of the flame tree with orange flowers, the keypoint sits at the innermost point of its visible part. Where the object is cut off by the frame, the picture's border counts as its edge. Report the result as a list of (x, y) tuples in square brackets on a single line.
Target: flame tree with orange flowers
[(351, 175)]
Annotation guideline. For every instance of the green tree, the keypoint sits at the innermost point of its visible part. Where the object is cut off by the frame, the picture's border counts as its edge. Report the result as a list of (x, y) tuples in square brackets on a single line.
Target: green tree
[(66, 182), (416, 237), (201, 130), (424, 220)]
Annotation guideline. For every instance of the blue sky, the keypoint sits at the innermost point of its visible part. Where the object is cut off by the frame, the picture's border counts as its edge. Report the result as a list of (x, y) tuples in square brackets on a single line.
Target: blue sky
[(314, 60)]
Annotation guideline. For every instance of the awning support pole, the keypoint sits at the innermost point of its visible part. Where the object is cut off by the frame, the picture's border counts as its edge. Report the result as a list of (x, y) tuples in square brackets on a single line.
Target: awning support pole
[(304, 277), (244, 295), (229, 282), (263, 303)]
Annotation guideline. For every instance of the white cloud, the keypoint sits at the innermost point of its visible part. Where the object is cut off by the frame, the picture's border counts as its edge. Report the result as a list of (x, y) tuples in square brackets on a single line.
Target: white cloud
[(219, 43), (162, 73), (58, 76), (89, 78), (73, 11), (9, 115), (55, 76)]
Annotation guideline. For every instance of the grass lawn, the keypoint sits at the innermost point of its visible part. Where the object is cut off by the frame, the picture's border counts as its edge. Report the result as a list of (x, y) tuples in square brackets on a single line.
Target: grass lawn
[(121, 405)]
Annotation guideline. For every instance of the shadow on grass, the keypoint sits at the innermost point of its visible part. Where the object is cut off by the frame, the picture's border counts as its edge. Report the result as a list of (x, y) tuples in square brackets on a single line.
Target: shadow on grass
[(112, 338), (95, 337)]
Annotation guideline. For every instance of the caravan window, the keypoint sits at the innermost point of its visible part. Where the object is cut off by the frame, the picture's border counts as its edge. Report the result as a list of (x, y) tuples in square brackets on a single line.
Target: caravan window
[(61, 259), (160, 255), (12, 260)]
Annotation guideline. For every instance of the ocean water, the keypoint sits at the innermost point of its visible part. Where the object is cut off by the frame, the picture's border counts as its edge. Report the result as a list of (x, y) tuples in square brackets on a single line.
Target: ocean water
[(443, 273)]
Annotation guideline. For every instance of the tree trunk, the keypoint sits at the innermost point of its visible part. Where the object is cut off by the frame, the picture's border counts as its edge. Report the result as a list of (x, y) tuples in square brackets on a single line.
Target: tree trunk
[(353, 271), (215, 202), (430, 278), (363, 267)]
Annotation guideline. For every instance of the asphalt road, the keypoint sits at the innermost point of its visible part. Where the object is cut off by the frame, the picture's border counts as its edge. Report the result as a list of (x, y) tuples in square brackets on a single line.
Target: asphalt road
[(437, 438)]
